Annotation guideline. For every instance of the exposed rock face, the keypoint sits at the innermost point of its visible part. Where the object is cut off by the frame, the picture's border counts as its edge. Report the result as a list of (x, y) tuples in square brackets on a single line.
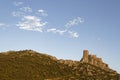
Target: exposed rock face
[(93, 59), (68, 62)]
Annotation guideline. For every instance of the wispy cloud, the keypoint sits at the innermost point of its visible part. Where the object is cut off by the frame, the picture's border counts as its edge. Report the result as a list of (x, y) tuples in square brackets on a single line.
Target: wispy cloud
[(3, 25), (26, 9), (73, 34), (74, 22), (18, 3), (29, 20), (54, 30), (32, 23), (18, 14), (65, 32), (42, 12), (66, 29)]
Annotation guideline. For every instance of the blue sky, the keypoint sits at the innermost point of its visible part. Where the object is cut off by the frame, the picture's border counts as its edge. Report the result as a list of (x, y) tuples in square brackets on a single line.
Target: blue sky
[(62, 28)]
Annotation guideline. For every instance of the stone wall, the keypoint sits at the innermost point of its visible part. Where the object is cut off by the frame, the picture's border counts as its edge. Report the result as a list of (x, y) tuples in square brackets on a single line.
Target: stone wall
[(93, 59)]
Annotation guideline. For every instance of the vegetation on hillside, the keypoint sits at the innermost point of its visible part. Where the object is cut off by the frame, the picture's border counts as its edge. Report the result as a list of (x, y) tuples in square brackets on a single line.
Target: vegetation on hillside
[(31, 65)]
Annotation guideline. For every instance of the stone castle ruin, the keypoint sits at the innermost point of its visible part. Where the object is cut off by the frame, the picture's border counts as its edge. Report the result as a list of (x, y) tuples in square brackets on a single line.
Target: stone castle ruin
[(90, 59), (93, 59)]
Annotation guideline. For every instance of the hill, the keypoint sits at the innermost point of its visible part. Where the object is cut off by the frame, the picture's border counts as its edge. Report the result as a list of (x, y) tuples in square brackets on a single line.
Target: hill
[(31, 65)]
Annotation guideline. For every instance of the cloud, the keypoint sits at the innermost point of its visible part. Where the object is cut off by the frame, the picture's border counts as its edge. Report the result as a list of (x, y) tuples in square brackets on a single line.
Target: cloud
[(29, 20), (74, 22), (18, 14), (32, 23), (22, 12), (73, 34), (26, 9), (42, 12), (3, 25), (18, 3), (54, 30), (65, 32)]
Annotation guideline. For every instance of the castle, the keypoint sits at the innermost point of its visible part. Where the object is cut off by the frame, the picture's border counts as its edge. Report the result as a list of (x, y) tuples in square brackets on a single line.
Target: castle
[(93, 59)]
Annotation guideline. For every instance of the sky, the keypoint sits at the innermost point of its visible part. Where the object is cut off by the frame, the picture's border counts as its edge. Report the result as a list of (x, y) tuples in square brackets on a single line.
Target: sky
[(62, 28)]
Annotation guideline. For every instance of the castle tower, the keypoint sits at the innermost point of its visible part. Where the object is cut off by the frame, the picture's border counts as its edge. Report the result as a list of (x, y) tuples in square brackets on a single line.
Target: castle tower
[(93, 59), (85, 56)]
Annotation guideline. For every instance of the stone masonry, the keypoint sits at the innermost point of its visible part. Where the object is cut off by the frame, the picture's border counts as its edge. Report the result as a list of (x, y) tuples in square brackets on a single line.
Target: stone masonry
[(93, 59)]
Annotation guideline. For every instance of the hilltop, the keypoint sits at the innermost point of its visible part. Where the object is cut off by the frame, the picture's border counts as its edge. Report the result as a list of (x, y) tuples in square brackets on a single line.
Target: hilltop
[(32, 65)]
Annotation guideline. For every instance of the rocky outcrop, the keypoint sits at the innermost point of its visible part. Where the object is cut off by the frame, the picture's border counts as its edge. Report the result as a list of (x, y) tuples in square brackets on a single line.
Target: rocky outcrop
[(68, 62)]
